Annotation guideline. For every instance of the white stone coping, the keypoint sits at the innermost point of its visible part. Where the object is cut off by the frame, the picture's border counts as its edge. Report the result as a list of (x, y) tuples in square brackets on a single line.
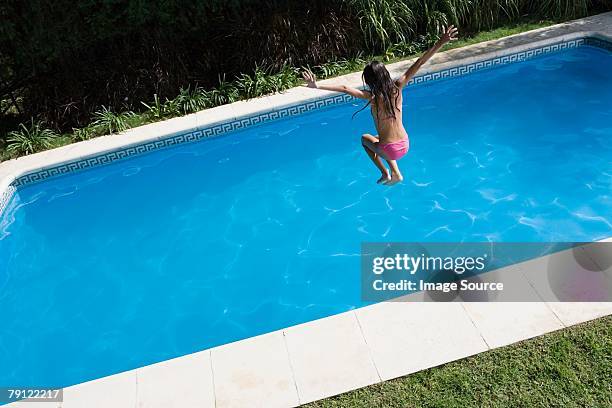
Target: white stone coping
[(350, 350), (343, 352)]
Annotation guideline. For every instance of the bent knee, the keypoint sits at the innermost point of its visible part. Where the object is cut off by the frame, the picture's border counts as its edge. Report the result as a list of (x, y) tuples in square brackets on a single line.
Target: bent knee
[(366, 138)]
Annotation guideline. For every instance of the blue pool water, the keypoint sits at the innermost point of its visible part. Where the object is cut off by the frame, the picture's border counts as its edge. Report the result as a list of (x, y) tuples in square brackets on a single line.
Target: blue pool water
[(183, 249)]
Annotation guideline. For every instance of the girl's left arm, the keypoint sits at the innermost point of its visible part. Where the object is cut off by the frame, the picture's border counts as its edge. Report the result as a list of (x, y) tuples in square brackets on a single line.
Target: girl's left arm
[(450, 34), (311, 82)]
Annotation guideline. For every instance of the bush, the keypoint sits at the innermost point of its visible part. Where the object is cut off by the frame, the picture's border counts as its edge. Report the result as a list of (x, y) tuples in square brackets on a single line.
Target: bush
[(111, 122), (29, 139), (383, 22), (565, 9), (86, 133), (339, 67), (225, 92), (156, 109)]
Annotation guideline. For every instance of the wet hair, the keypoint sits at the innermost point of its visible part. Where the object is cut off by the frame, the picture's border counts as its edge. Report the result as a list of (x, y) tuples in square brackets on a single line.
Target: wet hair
[(382, 87)]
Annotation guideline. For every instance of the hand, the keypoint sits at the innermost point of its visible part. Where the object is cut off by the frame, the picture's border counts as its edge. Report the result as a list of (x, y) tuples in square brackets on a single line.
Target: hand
[(310, 78), (450, 34)]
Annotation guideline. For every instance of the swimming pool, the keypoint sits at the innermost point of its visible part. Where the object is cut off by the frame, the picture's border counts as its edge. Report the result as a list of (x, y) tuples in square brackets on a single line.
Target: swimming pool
[(186, 248)]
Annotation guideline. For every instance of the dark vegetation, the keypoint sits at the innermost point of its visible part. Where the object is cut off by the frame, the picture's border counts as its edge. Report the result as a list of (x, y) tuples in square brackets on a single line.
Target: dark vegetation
[(82, 68)]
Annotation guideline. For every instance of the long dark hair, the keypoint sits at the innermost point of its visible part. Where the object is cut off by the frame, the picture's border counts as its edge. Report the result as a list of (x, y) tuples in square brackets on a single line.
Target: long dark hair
[(382, 87)]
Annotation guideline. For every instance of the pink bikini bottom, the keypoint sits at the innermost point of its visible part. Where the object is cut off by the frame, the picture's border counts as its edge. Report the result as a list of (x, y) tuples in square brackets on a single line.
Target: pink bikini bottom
[(395, 150)]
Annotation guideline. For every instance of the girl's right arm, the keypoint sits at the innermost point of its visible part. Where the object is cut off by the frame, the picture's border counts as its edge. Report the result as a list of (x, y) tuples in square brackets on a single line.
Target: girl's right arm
[(311, 82)]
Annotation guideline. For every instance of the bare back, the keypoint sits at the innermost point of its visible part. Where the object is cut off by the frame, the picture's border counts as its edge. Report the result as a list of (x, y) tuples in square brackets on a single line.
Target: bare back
[(389, 129)]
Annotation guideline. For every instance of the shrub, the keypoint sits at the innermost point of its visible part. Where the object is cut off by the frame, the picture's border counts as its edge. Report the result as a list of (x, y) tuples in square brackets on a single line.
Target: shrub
[(562, 9), (383, 22), (78, 135), (156, 109), (29, 139), (339, 67), (250, 86), (400, 50), (189, 101), (225, 92), (172, 107), (112, 122)]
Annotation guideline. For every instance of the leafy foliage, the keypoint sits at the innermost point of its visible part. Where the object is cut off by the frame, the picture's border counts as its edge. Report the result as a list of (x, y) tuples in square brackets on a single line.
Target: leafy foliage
[(29, 139), (81, 134), (156, 109), (225, 92), (384, 21), (564, 9), (112, 122), (339, 67), (189, 101)]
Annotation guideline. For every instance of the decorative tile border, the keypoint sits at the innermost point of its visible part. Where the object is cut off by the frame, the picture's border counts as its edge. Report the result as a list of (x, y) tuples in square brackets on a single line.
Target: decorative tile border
[(272, 115), (520, 56), (189, 137)]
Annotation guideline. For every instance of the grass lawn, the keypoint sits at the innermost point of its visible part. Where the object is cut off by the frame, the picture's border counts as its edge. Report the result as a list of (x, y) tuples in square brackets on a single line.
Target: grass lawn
[(567, 368)]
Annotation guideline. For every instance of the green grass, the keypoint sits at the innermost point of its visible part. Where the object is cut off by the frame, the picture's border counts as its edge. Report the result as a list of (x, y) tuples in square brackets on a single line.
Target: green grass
[(567, 368)]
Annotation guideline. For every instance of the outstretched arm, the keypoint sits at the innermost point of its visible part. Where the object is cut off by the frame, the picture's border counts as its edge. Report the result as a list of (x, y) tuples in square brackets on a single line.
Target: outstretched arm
[(450, 34), (311, 82)]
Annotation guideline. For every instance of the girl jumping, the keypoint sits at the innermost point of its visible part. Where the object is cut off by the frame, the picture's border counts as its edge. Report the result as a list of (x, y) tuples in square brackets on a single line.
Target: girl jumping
[(385, 99)]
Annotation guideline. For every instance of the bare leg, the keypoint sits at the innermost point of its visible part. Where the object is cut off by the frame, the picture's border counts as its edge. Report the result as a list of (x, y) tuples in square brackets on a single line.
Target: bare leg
[(396, 175), (369, 144)]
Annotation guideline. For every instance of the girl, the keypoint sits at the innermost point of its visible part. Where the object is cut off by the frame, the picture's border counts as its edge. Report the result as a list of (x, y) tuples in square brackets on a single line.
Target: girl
[(385, 99)]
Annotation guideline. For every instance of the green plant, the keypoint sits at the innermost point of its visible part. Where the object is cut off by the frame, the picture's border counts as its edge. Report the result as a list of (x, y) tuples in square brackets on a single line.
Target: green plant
[(112, 122), (562, 9), (189, 101), (335, 68), (384, 21), (251, 86), (29, 139), (400, 50), (85, 133), (486, 13), (225, 92), (289, 76), (171, 107), (156, 109)]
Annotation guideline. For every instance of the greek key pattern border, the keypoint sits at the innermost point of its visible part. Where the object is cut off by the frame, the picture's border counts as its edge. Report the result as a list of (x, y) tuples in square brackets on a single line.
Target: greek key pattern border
[(242, 123), (462, 70)]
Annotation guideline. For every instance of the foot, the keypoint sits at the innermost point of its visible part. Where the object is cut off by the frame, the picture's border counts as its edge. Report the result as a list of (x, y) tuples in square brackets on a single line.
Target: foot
[(384, 179), (395, 178)]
